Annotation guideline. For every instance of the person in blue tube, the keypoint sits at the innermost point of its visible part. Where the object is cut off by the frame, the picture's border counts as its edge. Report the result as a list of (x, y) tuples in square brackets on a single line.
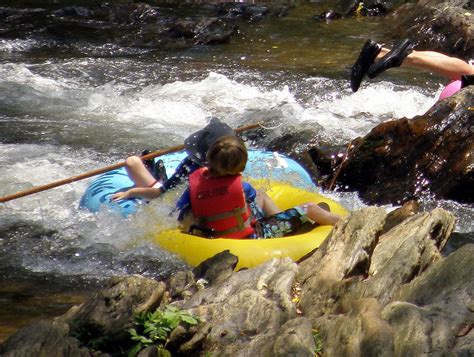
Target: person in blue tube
[(149, 187)]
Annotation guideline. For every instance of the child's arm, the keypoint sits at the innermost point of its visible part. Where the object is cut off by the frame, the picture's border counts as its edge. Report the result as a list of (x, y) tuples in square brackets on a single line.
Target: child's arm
[(148, 193)]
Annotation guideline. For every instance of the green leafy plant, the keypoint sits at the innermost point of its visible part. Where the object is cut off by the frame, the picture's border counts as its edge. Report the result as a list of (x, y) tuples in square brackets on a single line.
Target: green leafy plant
[(154, 328), (318, 341)]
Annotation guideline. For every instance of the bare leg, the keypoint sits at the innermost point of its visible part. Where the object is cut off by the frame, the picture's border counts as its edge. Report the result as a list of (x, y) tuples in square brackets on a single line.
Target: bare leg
[(138, 172), (447, 66), (266, 204), (319, 215)]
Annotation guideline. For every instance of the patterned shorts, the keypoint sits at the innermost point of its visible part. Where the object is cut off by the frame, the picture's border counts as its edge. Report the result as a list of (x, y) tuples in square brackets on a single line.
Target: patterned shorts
[(280, 224)]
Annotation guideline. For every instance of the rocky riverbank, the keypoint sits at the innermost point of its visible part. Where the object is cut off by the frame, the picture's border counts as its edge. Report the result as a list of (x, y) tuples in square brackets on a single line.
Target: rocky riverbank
[(378, 286)]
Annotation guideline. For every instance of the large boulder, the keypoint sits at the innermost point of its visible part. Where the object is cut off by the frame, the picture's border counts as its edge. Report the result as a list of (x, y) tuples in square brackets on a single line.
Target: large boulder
[(433, 314), (402, 159), (443, 26), (251, 314), (368, 271)]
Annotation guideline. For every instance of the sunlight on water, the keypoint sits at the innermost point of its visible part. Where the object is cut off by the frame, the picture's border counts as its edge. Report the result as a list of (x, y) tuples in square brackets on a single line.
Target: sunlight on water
[(186, 105), (70, 241), (382, 100), (130, 106)]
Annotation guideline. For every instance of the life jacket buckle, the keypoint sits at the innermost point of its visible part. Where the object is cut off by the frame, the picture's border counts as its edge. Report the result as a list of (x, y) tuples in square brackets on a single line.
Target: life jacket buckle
[(208, 232)]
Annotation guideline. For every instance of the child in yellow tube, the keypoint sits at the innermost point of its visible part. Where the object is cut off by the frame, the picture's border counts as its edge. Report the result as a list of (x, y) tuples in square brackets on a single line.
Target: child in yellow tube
[(224, 206)]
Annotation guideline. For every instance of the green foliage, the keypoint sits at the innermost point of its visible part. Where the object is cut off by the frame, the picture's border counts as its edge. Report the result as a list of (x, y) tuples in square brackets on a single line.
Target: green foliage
[(155, 327), (318, 341), (88, 336)]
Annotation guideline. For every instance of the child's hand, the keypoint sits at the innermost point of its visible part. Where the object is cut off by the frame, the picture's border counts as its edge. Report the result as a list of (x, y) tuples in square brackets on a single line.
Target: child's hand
[(120, 195)]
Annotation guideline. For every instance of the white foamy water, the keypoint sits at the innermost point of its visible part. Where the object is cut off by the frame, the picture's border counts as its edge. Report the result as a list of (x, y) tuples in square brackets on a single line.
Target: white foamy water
[(74, 111)]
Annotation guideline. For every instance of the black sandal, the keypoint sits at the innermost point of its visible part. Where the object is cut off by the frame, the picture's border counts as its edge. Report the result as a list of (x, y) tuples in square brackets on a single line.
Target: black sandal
[(394, 58), (366, 58)]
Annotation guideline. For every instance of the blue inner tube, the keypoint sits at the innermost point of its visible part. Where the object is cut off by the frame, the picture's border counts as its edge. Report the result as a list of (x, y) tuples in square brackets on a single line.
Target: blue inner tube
[(261, 165)]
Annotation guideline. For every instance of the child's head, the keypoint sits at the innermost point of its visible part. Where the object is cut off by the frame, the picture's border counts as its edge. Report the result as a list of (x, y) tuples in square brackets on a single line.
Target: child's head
[(198, 143), (227, 156)]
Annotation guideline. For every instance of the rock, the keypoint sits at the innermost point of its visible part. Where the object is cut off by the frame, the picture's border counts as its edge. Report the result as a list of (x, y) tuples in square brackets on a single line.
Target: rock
[(294, 339), (398, 215), (217, 269), (111, 312), (378, 286), (406, 251), (408, 158), (432, 315), (438, 26), (343, 257), (43, 338), (361, 268), (180, 285), (245, 314)]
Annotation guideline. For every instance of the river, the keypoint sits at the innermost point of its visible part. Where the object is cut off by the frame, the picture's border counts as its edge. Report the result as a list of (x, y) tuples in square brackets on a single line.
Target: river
[(70, 107)]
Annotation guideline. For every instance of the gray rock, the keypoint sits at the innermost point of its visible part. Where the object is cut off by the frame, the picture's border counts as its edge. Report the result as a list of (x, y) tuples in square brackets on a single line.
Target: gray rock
[(433, 314), (363, 267), (244, 314), (378, 286), (111, 312), (295, 339), (43, 339)]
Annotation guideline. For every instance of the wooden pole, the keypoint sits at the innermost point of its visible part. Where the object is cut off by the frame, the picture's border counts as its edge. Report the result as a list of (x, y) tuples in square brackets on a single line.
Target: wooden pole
[(104, 169), (338, 171)]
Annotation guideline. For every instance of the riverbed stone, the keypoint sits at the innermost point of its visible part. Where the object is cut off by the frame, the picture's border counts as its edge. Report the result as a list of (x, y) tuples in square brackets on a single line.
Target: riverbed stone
[(43, 339), (360, 269), (443, 26), (245, 314), (405, 159), (112, 311)]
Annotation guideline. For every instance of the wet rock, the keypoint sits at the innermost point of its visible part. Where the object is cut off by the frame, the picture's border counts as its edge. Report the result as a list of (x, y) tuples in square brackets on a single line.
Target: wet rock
[(109, 29), (305, 147), (252, 12), (445, 26), (408, 158), (357, 8)]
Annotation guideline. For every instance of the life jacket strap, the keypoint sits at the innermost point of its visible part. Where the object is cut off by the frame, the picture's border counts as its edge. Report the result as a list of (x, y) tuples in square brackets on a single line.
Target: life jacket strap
[(236, 212), (245, 224)]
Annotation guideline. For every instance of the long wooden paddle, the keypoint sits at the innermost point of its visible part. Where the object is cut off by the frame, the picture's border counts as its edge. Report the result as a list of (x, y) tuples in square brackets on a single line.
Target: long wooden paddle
[(105, 169)]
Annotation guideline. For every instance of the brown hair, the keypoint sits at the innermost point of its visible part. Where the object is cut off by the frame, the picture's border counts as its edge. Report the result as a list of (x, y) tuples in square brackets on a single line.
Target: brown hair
[(227, 156)]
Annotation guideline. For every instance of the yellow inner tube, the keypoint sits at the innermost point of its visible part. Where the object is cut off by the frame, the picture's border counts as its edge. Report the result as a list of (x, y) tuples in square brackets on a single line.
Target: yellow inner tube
[(252, 252)]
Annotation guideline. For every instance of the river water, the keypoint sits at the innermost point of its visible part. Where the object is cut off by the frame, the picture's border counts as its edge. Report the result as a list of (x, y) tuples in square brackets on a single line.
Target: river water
[(90, 104)]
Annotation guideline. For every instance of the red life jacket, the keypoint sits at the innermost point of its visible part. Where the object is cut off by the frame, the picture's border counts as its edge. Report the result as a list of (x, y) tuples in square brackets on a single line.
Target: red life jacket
[(219, 204)]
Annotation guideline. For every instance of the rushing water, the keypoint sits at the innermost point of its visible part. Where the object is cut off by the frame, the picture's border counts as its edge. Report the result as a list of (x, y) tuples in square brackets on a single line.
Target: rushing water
[(90, 105)]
